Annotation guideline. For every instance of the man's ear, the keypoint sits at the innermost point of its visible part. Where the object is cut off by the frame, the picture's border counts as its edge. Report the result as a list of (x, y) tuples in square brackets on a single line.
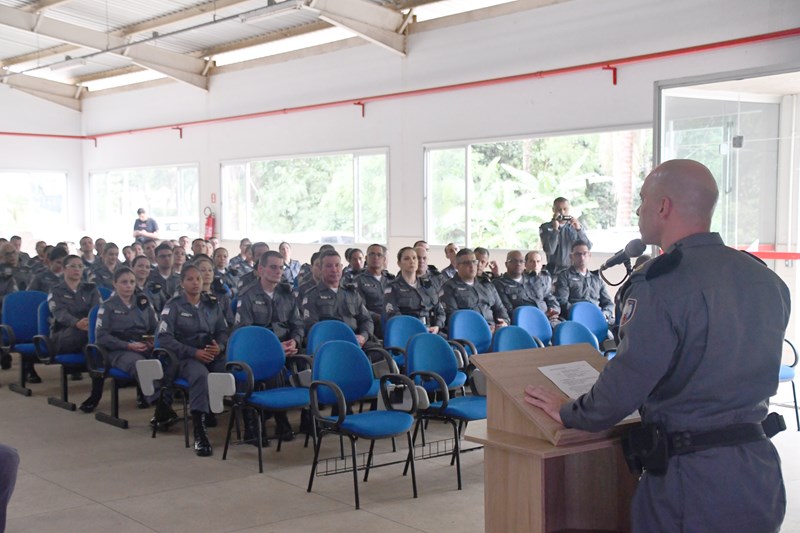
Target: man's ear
[(666, 207)]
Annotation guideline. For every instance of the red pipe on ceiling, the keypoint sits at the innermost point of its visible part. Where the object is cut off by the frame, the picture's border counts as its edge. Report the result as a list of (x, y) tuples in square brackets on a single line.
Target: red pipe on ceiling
[(606, 65)]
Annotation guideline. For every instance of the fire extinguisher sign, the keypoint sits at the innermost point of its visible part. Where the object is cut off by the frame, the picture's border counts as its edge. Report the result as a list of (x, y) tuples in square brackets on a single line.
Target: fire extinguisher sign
[(213, 197), (210, 223)]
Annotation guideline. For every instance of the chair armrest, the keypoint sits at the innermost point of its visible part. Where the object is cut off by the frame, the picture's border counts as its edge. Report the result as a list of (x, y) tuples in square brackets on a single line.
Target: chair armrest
[(7, 337), (340, 403), (466, 343), (398, 379), (239, 366), (220, 385), (443, 391), (477, 382), (97, 361), (388, 359), (300, 378), (538, 341), (148, 371), (42, 346), (794, 351), (462, 353), (607, 353), (395, 349), (169, 362)]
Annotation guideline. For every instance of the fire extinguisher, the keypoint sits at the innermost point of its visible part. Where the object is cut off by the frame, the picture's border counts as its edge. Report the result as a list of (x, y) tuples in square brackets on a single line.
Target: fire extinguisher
[(211, 221)]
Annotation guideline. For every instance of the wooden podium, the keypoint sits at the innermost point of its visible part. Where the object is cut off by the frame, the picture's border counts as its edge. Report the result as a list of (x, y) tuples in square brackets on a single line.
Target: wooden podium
[(540, 476)]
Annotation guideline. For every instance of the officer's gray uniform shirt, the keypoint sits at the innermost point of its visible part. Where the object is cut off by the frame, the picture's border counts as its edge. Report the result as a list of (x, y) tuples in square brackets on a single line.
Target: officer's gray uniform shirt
[(279, 313), (7, 283), (44, 280), (101, 276), (169, 285), (345, 304), (572, 287), (515, 293), (557, 244), (421, 301), (700, 347), (481, 296), (372, 289), (67, 307)]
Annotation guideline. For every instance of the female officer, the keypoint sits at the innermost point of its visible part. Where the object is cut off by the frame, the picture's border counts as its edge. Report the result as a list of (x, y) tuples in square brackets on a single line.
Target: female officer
[(70, 302), (178, 259), (214, 286), (223, 271), (193, 327), (129, 254), (409, 295), (102, 274), (141, 270)]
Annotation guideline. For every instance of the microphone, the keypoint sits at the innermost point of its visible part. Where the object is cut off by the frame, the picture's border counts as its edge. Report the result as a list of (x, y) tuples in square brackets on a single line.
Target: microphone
[(635, 248)]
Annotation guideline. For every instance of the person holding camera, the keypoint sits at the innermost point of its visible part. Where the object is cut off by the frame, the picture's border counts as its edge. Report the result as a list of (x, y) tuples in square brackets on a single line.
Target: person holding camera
[(558, 236)]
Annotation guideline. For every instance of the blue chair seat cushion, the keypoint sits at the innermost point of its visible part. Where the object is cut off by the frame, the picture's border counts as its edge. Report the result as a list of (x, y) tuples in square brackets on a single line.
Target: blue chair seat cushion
[(116, 373), (26, 349), (786, 373), (467, 408), (181, 383), (280, 399), (70, 359), (376, 424), (457, 383)]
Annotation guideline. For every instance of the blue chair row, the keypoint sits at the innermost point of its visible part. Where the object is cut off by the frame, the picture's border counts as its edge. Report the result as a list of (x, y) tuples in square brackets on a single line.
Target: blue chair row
[(20, 324)]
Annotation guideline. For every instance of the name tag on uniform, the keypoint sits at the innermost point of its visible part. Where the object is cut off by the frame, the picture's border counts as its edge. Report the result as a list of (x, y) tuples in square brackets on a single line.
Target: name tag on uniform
[(187, 315), (259, 302), (461, 288), (118, 312), (325, 297)]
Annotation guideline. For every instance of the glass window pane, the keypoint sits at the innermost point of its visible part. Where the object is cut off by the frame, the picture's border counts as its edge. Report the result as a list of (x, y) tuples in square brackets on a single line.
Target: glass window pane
[(372, 197), (447, 196), (33, 201)]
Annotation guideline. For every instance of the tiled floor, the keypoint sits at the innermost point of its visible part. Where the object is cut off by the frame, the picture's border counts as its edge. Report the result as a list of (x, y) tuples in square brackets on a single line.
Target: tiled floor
[(77, 474)]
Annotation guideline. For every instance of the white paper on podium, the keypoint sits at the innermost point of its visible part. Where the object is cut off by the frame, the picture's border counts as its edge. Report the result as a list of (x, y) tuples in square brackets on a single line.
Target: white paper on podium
[(576, 379)]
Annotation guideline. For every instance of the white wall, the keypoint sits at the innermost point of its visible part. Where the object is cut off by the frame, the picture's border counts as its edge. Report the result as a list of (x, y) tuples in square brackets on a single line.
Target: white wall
[(570, 33)]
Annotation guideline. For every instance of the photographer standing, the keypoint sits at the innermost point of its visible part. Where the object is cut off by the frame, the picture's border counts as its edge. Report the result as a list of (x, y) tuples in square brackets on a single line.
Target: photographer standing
[(559, 234)]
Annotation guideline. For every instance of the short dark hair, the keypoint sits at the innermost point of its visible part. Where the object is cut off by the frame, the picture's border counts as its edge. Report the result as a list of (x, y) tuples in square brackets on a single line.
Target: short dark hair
[(241, 243), (122, 270), (16, 237), (57, 253), (163, 246), (328, 253), (110, 246), (419, 243), (198, 239), (269, 253), (147, 241), (559, 200), (579, 243), (201, 257), (403, 250), (347, 254), (186, 268), (481, 250), (314, 257), (140, 211), (138, 258), (326, 247), (464, 251), (260, 244), (382, 247)]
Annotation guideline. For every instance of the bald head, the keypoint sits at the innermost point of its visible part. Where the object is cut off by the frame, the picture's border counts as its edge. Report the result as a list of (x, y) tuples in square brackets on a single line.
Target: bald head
[(678, 199)]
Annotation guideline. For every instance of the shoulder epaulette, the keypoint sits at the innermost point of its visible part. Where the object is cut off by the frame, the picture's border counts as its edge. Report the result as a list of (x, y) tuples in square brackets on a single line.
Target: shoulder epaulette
[(284, 287), (663, 264), (388, 275), (141, 301), (425, 282), (350, 286), (210, 298), (88, 285)]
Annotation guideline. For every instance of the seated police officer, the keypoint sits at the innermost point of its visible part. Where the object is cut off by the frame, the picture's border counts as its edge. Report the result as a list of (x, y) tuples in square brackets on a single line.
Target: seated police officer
[(413, 295), (178, 259), (468, 291), (329, 300), (241, 262), (579, 284), (355, 264), (291, 267), (271, 304), (517, 289), (87, 253), (193, 327), (36, 264), (198, 247), (162, 276), (372, 283), (213, 287), (16, 241), (486, 266), (258, 250), (102, 272), (141, 269), (8, 265), (426, 271), (223, 270), (51, 276), (450, 252)]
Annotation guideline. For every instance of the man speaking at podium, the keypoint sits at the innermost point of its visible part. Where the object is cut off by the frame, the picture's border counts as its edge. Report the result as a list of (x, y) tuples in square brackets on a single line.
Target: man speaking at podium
[(699, 355)]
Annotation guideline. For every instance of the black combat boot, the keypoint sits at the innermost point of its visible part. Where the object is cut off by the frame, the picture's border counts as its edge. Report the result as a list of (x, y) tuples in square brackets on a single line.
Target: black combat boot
[(251, 429), (5, 360), (283, 430), (90, 404), (164, 416), (202, 447)]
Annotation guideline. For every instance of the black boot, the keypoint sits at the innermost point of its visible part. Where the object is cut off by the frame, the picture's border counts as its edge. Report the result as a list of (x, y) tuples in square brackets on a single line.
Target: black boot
[(283, 430), (5, 360), (90, 404), (141, 401), (306, 422), (76, 376), (164, 417), (30, 373), (211, 420), (251, 429), (202, 447)]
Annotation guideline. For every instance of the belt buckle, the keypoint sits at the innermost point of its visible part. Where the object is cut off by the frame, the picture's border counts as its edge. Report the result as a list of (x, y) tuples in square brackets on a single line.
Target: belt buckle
[(680, 440)]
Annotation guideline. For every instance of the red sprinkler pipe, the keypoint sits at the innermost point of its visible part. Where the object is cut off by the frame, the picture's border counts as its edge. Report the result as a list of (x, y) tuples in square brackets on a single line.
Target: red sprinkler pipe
[(604, 65)]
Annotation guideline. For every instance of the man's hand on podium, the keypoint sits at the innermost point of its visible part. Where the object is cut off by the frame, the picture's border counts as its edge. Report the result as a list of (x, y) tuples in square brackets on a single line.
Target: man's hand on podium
[(545, 399)]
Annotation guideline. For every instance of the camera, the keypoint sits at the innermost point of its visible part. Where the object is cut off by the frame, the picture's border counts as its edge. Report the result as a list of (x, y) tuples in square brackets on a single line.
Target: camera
[(563, 218)]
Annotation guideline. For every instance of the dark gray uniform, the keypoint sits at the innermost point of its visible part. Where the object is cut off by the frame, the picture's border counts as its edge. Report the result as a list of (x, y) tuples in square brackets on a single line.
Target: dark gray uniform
[(230, 277), (372, 289), (66, 309), (185, 328), (557, 245), (7, 283), (101, 276), (291, 270), (572, 287), (278, 314), (345, 304), (526, 291), (700, 350), (154, 294), (169, 285), (44, 280), (119, 325), (240, 265), (449, 272), (421, 301), (481, 296)]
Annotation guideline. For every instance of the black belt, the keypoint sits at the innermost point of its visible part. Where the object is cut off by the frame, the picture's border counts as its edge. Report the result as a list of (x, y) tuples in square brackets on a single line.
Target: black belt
[(683, 442)]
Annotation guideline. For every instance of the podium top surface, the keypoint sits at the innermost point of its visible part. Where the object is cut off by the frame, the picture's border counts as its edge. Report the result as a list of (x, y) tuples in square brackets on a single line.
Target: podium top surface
[(509, 373)]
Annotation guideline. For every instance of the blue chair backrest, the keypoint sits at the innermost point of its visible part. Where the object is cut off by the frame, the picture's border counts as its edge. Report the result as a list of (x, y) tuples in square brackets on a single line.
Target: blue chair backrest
[(574, 333), (431, 352), (590, 316), (470, 325), (105, 293), (345, 364), (259, 348), (512, 338), (93, 324), (534, 321), (20, 312), (400, 329), (43, 319), (329, 330)]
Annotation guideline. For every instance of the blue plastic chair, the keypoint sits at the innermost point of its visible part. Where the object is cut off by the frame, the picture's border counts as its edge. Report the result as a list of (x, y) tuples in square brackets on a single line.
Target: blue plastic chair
[(396, 334), (431, 360), (592, 317), (19, 325), (469, 328), (570, 332), (70, 362), (99, 367), (255, 356), (342, 374), (786, 374), (105, 293), (512, 338), (535, 322), (328, 330)]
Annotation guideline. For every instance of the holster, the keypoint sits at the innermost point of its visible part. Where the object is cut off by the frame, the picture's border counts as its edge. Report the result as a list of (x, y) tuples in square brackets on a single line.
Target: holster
[(646, 448)]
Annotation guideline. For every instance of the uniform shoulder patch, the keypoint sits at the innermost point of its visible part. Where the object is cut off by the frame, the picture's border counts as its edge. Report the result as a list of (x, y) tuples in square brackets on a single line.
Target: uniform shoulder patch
[(628, 311), (664, 264)]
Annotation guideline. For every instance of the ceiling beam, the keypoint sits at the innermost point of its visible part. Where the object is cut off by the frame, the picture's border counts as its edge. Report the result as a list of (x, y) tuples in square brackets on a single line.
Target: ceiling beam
[(41, 5), (188, 69), (53, 91), (377, 24)]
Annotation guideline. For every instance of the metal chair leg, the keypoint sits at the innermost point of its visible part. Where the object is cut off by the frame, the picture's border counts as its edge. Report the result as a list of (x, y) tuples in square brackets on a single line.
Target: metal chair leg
[(411, 461), (317, 446), (796, 415), (234, 410), (369, 459), (355, 470)]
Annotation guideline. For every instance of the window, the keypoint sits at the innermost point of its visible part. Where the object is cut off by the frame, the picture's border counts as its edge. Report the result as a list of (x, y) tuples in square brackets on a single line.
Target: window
[(496, 194), (33, 201), (169, 195), (335, 198)]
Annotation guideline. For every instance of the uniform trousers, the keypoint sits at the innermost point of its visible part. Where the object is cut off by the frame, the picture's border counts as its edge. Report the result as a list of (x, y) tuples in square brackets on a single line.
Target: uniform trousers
[(196, 373), (9, 463)]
